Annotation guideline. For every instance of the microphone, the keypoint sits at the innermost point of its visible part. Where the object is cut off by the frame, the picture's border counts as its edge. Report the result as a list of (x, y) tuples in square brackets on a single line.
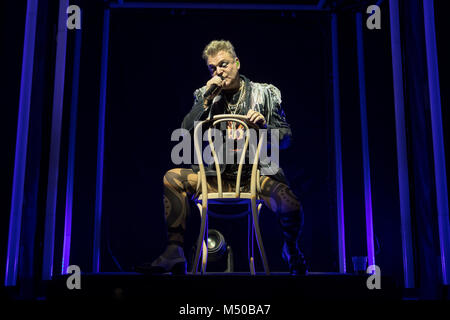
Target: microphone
[(212, 89)]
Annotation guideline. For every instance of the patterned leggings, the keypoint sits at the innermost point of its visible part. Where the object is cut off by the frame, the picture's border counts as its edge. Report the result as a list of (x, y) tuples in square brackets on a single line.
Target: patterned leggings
[(181, 184)]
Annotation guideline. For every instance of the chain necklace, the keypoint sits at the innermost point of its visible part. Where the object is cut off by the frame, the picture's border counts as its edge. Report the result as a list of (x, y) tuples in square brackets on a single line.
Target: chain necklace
[(233, 108)]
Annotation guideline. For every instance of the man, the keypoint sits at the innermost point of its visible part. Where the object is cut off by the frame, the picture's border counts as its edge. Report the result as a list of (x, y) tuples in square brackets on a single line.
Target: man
[(234, 94)]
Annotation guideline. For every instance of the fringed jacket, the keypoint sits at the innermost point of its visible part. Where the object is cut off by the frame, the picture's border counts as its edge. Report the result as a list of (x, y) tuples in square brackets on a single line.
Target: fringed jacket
[(261, 97)]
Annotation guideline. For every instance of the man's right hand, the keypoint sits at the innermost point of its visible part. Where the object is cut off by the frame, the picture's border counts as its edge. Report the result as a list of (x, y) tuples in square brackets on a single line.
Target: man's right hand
[(218, 82)]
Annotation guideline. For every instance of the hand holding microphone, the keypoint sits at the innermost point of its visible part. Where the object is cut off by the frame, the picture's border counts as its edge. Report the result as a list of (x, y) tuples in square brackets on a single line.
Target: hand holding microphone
[(214, 86)]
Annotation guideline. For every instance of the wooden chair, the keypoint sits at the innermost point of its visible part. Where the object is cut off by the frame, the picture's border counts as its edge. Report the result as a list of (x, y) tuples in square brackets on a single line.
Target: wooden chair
[(251, 198)]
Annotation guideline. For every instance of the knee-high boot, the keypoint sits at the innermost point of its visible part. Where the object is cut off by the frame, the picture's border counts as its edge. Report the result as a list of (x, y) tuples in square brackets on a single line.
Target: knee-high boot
[(291, 223)]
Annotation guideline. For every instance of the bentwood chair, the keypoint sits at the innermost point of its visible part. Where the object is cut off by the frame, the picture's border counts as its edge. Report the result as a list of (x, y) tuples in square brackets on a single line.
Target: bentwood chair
[(252, 198)]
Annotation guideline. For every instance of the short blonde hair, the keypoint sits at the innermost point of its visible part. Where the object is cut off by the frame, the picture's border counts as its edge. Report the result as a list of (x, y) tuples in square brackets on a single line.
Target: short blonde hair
[(215, 46)]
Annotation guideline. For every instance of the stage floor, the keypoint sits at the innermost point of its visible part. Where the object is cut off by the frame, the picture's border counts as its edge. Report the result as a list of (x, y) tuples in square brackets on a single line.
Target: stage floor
[(222, 288)]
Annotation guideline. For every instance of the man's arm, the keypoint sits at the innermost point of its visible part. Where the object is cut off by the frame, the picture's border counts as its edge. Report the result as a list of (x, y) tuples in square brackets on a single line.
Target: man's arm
[(197, 113), (276, 119)]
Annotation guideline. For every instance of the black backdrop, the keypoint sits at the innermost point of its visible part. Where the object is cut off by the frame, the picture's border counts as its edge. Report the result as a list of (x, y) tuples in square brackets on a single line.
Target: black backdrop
[(150, 50), (154, 66)]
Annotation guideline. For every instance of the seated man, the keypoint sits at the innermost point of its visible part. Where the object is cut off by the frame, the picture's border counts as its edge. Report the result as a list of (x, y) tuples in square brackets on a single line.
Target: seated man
[(234, 94)]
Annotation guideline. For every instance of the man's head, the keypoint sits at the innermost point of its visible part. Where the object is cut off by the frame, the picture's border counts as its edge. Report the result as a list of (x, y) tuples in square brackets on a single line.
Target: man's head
[(222, 61)]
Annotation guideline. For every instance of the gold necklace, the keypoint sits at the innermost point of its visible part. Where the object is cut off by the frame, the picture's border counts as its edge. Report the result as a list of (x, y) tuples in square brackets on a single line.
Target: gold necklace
[(235, 106)]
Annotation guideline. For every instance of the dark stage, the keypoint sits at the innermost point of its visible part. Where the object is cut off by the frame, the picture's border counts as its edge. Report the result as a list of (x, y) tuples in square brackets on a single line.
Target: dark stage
[(230, 288), (94, 96)]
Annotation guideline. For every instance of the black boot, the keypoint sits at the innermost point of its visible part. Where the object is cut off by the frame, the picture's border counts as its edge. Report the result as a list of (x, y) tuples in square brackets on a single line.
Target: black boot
[(294, 257), (171, 261)]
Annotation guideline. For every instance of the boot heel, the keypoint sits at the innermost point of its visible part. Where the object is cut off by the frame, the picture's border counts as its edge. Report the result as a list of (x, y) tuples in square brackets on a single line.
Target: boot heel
[(179, 268)]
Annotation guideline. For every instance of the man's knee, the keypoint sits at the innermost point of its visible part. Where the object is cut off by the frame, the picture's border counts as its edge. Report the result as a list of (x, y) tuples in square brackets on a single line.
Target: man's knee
[(180, 179), (173, 178)]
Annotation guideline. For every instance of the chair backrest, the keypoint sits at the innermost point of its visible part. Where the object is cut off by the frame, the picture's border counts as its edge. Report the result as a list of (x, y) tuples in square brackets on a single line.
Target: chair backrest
[(210, 124)]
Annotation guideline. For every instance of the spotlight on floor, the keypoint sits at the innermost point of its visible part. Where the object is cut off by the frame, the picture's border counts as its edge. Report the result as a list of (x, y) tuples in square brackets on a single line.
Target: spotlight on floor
[(220, 255), (217, 247)]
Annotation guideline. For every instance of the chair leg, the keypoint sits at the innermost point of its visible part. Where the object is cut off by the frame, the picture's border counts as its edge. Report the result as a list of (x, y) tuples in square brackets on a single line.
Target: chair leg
[(250, 246), (255, 213), (204, 256), (201, 238), (253, 242), (252, 266), (205, 248)]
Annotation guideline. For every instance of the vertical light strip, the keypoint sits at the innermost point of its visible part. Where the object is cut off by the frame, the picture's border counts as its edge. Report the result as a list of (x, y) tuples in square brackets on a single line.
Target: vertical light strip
[(55, 142), (337, 145), (365, 140), (100, 145), (438, 139), (214, 6), (71, 157), (402, 162), (26, 81), (320, 4)]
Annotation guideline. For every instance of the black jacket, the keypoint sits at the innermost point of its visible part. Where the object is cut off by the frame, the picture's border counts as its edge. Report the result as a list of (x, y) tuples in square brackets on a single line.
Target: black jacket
[(262, 97)]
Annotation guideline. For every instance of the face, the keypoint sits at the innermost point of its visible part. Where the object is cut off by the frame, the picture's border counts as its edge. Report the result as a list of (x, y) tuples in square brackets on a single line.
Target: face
[(223, 64)]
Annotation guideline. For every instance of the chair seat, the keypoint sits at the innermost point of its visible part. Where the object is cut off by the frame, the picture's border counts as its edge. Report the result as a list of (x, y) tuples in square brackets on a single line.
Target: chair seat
[(228, 198)]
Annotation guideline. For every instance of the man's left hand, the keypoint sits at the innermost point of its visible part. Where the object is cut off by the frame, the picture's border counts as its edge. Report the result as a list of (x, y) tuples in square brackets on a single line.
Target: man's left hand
[(256, 118)]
